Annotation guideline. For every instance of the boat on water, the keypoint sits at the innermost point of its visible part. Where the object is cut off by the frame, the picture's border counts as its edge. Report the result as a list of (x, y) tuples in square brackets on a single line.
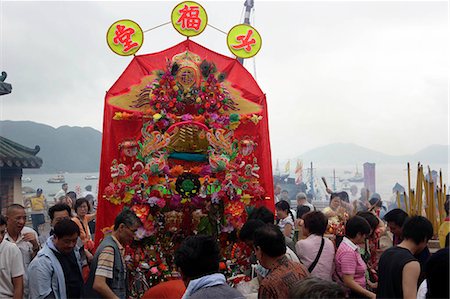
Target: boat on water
[(91, 177), (26, 179), (57, 179)]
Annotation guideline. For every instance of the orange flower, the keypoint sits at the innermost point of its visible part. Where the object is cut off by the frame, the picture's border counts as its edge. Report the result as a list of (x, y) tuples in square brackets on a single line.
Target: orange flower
[(153, 180), (199, 118), (196, 169), (176, 170)]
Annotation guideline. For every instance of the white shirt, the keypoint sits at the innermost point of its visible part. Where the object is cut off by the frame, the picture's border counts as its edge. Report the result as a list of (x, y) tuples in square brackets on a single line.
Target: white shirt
[(26, 248), (59, 194), (11, 266), (284, 222)]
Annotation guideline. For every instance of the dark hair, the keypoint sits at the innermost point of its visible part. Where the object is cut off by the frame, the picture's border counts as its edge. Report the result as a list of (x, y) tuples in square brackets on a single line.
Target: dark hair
[(417, 229), (316, 288), (271, 240), (64, 184), (72, 195), (58, 208), (376, 202), (355, 225), (437, 274), (283, 205), (248, 229), (127, 217), (198, 256), (81, 201), (371, 218), (262, 213), (2, 220), (302, 210), (65, 227), (398, 216), (343, 195), (316, 222), (333, 195)]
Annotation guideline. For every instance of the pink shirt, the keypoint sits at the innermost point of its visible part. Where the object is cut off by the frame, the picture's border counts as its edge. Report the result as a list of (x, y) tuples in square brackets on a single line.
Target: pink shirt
[(307, 250), (348, 261)]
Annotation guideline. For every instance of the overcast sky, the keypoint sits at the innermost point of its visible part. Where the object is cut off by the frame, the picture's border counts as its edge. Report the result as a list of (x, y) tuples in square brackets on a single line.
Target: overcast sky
[(370, 73)]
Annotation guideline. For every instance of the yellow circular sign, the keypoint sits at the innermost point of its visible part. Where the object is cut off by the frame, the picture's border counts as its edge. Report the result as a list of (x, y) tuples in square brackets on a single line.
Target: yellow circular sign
[(189, 18), (125, 37), (244, 41)]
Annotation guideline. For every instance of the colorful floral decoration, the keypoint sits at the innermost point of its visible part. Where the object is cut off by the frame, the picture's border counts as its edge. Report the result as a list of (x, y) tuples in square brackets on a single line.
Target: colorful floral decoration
[(188, 172)]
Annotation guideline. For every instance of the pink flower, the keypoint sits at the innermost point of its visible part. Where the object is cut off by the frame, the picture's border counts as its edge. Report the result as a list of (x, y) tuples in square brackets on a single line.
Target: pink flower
[(154, 270), (161, 203)]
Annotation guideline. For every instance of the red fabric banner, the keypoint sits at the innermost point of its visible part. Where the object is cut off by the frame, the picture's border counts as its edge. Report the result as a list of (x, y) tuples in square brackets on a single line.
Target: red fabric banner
[(127, 110)]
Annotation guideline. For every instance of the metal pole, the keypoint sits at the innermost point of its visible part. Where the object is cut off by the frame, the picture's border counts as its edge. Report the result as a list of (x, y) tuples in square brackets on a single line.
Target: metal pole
[(248, 8)]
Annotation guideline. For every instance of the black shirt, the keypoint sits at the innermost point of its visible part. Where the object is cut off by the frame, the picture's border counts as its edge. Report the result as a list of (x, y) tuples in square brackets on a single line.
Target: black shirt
[(390, 271), (72, 274)]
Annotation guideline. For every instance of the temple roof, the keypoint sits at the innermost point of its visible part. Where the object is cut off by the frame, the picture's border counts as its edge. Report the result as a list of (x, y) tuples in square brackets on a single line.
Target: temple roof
[(13, 154)]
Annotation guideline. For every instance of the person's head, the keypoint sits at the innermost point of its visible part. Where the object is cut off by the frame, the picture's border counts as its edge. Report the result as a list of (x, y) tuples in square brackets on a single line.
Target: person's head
[(375, 202), (58, 212), (419, 230), (354, 190), (65, 235), (72, 195), (395, 220), (285, 194), (314, 223), (282, 208), (247, 231), (363, 193), (2, 227), (371, 219), (316, 288), (302, 210), (277, 189), (343, 196), (269, 243), (15, 218), (301, 198), (82, 207), (38, 192), (357, 229), (197, 256), (262, 213), (125, 226), (65, 187), (335, 201), (88, 188)]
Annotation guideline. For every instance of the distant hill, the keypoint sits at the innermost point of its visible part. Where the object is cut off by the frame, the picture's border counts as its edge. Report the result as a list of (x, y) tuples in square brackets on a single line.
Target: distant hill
[(349, 153), (76, 149), (71, 149)]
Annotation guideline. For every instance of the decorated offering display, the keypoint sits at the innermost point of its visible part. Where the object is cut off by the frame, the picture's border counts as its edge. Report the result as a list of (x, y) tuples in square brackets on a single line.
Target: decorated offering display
[(186, 147)]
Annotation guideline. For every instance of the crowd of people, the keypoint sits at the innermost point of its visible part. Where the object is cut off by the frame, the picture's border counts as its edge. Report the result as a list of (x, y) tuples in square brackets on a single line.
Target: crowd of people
[(293, 255)]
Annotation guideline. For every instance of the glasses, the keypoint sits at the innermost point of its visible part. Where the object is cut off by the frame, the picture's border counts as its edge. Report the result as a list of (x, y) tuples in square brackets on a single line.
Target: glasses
[(134, 230)]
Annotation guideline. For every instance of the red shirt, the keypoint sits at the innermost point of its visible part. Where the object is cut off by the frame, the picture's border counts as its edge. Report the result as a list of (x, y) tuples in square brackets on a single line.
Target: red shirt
[(166, 290)]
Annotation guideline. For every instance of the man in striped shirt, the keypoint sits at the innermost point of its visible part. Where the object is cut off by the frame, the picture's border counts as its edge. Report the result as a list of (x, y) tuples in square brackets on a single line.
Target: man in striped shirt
[(108, 276)]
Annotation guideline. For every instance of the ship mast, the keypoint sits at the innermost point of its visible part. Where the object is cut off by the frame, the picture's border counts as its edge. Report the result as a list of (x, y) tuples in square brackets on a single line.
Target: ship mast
[(248, 8)]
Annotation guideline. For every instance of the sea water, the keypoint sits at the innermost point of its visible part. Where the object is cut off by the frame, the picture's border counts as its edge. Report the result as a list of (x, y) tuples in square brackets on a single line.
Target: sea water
[(386, 175)]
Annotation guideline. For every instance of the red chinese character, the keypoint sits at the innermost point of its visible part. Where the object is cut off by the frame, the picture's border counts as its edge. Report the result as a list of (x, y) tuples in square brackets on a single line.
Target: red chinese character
[(246, 41), (189, 17), (123, 36)]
